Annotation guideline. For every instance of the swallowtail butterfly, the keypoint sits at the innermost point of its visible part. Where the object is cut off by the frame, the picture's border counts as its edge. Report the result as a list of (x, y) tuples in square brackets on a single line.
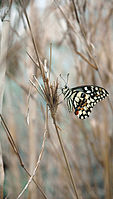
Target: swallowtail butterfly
[(83, 98)]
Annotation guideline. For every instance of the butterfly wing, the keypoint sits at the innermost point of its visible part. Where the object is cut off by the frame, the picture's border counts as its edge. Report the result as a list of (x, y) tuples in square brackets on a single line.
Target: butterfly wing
[(84, 98)]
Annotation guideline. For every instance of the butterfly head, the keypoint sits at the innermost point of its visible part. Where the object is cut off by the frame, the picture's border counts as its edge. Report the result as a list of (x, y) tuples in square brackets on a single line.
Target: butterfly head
[(65, 89)]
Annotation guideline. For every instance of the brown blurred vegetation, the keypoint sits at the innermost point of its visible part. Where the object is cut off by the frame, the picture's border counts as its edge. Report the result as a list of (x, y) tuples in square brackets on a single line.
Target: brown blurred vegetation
[(81, 33)]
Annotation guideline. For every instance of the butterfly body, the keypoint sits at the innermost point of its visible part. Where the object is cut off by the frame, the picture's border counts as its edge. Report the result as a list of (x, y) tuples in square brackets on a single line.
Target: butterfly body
[(83, 98)]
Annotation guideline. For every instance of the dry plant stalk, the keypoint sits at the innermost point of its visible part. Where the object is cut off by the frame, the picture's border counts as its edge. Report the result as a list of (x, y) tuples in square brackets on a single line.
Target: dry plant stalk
[(32, 113), (3, 65), (38, 162), (11, 141)]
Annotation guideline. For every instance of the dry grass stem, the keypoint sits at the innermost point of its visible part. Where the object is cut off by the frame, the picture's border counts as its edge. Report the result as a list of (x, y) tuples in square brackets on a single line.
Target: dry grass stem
[(66, 160), (37, 166), (17, 153), (3, 66)]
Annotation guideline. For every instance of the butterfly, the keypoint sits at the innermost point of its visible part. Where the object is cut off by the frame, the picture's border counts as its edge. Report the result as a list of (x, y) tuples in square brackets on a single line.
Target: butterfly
[(82, 99)]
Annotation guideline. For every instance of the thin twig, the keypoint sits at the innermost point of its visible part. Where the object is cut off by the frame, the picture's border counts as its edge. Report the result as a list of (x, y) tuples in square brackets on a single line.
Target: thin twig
[(17, 153), (50, 60), (86, 60), (32, 59), (66, 160), (37, 165), (36, 88), (33, 40), (71, 26)]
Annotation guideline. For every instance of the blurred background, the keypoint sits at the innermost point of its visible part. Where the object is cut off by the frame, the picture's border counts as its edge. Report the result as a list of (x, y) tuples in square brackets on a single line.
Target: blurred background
[(81, 34)]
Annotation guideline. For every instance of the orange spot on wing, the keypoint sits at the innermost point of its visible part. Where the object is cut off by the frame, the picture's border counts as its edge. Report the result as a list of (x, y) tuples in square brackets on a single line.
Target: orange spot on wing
[(78, 109), (76, 112)]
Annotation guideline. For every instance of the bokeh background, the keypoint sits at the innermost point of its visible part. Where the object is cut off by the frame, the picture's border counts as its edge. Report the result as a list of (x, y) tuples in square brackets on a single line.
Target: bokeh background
[(81, 34)]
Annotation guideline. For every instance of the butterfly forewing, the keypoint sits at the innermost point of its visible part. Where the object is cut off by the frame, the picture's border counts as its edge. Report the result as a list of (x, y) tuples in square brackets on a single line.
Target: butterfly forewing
[(96, 92), (82, 99)]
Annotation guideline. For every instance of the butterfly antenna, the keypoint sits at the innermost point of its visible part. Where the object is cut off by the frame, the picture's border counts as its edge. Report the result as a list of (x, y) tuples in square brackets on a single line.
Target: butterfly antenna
[(63, 79), (67, 78)]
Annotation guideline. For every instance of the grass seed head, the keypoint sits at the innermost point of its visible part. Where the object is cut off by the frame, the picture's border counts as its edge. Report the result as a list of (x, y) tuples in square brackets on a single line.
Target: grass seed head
[(51, 95)]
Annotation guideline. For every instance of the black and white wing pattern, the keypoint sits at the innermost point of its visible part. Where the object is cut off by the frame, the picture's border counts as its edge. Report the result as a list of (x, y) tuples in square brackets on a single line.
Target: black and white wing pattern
[(83, 98)]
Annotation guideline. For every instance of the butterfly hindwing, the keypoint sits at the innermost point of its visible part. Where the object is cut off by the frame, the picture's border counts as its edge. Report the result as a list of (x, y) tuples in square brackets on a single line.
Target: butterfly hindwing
[(82, 104)]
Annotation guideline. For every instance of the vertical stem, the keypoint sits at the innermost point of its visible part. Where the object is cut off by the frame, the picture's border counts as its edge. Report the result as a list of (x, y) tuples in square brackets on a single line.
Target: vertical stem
[(66, 160), (50, 60), (32, 192), (3, 65)]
